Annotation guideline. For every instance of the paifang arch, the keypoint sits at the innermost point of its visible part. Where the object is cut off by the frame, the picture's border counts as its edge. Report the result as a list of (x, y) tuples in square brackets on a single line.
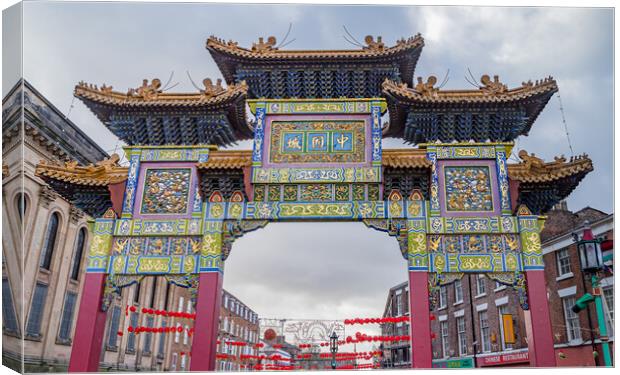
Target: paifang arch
[(453, 203)]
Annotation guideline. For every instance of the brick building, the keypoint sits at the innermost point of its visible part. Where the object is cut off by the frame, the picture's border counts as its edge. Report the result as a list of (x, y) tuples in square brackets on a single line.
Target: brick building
[(237, 323), (573, 333), (467, 324)]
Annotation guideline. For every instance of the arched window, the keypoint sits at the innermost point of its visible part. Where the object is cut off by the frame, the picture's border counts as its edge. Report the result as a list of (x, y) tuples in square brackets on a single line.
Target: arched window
[(77, 258), (50, 242), (21, 201)]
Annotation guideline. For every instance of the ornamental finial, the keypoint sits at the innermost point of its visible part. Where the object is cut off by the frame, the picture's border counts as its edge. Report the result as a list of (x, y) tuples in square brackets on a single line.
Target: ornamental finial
[(147, 90), (492, 87), (428, 88), (211, 89), (372, 45), (263, 46)]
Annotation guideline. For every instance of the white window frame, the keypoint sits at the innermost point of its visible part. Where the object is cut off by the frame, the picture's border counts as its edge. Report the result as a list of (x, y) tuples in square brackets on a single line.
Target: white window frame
[(445, 344), (461, 335), (561, 256), (443, 297), (485, 331), (480, 281), (458, 292), (573, 332)]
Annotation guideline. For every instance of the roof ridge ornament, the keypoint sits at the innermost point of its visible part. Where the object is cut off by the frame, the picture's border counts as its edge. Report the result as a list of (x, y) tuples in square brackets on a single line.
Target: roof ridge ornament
[(262, 46), (372, 45), (210, 89), (492, 87), (148, 90), (428, 88)]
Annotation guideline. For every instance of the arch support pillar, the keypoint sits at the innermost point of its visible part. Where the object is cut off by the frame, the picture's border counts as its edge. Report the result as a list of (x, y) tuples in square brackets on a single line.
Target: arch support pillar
[(208, 298), (90, 325), (419, 305)]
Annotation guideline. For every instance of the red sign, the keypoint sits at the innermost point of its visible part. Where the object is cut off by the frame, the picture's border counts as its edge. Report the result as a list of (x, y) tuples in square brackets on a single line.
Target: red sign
[(504, 359)]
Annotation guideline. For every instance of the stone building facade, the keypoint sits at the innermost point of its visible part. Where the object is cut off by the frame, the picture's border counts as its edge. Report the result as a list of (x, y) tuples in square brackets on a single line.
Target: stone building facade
[(396, 354), (573, 333), (49, 259)]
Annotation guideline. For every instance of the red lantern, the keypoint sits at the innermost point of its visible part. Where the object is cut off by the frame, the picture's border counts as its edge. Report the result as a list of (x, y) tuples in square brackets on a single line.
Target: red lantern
[(132, 309), (120, 333), (180, 329), (130, 329)]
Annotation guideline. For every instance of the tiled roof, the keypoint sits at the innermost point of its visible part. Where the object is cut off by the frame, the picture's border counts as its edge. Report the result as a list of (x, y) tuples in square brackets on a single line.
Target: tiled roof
[(268, 51), (405, 158), (151, 95), (103, 173), (227, 160), (534, 170)]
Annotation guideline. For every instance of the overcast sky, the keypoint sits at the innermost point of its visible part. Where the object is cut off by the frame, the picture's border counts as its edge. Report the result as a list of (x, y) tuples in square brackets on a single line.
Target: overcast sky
[(335, 270)]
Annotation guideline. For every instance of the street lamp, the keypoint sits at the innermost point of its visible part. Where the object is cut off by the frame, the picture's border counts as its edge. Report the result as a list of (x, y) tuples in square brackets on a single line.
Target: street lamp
[(333, 347), (590, 254), (591, 261)]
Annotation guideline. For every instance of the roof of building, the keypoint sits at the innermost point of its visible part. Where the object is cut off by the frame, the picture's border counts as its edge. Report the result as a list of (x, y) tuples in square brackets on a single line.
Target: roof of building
[(519, 107), (150, 115), (266, 58), (561, 221), (46, 124)]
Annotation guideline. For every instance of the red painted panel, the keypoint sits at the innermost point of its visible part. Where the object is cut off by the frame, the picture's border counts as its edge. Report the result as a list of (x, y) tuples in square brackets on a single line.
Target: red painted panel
[(208, 304), (541, 350), (421, 346), (90, 326), (116, 196)]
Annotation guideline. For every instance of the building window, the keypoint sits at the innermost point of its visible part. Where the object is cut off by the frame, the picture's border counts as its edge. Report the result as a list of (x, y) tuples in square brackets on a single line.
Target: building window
[(136, 293), (445, 345), (181, 303), (608, 293), (443, 296), (9, 319), (67, 317), (501, 311), (562, 258), (77, 258), (182, 361), (131, 340), (499, 286), (485, 331), (458, 291), (399, 305), (173, 364), (22, 206), (177, 334), (153, 292), (573, 328), (33, 328), (185, 335), (460, 329), (113, 330), (148, 338), (481, 286), (162, 342), (45, 261)]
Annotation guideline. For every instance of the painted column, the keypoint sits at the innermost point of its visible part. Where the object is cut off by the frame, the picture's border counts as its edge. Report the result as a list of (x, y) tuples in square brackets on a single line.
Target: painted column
[(419, 308), (208, 302), (209, 296), (90, 325), (540, 342)]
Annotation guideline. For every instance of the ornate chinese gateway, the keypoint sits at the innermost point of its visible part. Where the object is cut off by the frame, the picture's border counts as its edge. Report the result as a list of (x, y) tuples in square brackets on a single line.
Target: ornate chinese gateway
[(454, 203)]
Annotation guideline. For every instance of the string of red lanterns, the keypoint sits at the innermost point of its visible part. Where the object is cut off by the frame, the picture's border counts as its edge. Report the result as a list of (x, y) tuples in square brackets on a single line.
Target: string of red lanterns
[(165, 313), (390, 319)]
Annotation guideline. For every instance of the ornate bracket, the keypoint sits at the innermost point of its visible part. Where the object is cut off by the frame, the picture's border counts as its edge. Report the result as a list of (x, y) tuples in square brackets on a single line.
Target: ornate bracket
[(394, 228), (114, 285), (234, 229)]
